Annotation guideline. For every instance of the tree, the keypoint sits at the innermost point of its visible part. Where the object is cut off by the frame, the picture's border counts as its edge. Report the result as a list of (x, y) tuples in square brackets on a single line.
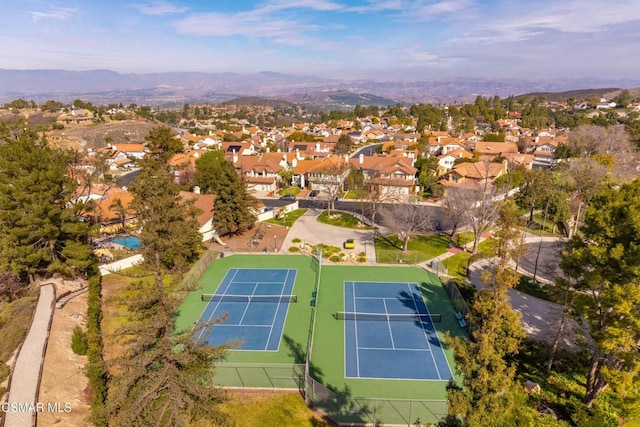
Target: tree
[(478, 204), (41, 228), (407, 219), (489, 394), (169, 235), (623, 99), (233, 205), (121, 211), (161, 378), (603, 263), (344, 145), (536, 183)]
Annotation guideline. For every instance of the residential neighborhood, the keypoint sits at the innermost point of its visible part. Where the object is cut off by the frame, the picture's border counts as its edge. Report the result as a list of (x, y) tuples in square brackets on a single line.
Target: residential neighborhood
[(475, 207)]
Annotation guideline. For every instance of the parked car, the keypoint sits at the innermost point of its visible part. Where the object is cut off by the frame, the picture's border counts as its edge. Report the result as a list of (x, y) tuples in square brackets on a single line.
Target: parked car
[(288, 197), (313, 193), (349, 244)]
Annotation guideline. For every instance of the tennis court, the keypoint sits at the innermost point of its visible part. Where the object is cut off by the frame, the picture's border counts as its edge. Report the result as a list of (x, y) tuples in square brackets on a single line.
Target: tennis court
[(389, 333), (255, 302)]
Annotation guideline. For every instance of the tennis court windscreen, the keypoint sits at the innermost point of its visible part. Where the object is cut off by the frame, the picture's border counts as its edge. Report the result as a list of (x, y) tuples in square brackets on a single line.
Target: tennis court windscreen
[(249, 298), (411, 317)]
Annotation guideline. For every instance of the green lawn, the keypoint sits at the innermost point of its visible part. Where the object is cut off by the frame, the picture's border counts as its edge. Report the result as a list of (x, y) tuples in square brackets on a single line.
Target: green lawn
[(355, 195), (291, 190), (456, 265), (342, 219), (420, 249), (288, 219)]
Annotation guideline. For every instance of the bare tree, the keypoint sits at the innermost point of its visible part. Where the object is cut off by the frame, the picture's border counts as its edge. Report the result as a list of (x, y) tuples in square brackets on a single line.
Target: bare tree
[(380, 195), (329, 178), (407, 219), (478, 203)]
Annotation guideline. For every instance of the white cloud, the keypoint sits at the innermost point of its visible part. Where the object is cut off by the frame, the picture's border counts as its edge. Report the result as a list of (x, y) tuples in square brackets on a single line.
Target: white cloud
[(54, 12), (317, 5), (528, 21), (159, 8)]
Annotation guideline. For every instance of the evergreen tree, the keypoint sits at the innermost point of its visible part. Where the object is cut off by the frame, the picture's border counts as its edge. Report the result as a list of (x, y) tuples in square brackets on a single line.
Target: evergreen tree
[(40, 223), (233, 205), (170, 235), (163, 378), (489, 395), (603, 261)]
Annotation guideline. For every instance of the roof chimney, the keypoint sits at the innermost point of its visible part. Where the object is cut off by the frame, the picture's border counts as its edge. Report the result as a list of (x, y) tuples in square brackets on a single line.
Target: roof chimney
[(196, 189), (361, 158), (235, 157)]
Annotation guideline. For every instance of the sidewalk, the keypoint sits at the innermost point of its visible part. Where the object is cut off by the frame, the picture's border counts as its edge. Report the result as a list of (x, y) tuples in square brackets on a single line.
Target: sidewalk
[(25, 378)]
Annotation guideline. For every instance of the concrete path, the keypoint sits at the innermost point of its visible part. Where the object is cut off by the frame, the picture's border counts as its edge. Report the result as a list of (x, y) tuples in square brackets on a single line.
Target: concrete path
[(540, 318), (310, 230), (25, 378), (120, 265)]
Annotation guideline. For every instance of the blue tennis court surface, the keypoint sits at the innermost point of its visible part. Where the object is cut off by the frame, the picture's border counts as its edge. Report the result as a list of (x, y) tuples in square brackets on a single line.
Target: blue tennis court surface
[(256, 303), (389, 333)]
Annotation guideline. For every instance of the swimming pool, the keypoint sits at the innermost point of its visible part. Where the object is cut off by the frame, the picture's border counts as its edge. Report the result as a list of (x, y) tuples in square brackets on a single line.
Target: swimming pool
[(131, 242)]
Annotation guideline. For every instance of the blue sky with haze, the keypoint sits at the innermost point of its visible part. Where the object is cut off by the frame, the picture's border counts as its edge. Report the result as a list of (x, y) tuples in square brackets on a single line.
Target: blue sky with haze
[(348, 39)]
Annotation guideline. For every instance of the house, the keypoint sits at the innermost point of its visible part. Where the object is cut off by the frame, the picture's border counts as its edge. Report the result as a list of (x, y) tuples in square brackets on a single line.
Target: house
[(260, 172), (300, 168), (204, 204), (329, 174), (387, 175), (477, 173), (447, 161), (491, 150)]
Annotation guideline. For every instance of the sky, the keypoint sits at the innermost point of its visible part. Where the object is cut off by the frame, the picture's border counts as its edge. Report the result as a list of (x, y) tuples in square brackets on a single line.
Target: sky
[(347, 39)]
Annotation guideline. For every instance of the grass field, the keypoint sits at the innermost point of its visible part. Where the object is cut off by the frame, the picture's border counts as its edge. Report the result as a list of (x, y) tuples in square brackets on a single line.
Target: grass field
[(420, 249)]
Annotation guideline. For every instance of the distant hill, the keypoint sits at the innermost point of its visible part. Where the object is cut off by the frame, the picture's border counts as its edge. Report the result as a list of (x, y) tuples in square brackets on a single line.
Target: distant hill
[(578, 95), (338, 99), (257, 100), (176, 88)]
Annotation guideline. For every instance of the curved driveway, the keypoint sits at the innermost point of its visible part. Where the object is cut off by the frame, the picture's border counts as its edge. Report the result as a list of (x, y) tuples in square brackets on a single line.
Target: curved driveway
[(310, 230), (540, 318)]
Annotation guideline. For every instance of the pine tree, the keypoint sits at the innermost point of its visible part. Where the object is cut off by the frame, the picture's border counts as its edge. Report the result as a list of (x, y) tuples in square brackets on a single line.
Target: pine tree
[(233, 205), (603, 261), (163, 378), (489, 396), (41, 228)]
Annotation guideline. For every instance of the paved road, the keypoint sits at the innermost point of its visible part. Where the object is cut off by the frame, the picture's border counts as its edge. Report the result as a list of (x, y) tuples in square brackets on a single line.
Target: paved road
[(25, 379), (540, 318), (310, 230)]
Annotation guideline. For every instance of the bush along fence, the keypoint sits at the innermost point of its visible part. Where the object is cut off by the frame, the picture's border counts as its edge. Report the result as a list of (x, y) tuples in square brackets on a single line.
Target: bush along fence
[(96, 370), (190, 280)]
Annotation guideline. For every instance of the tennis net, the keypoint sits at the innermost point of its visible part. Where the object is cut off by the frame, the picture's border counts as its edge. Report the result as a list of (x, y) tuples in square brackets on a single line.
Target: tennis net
[(249, 298), (409, 317)]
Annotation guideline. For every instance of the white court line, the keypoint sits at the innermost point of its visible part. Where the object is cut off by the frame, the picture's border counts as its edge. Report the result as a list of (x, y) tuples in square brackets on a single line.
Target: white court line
[(397, 348), (246, 308), (426, 336), (355, 328), (384, 302), (202, 331), (275, 314)]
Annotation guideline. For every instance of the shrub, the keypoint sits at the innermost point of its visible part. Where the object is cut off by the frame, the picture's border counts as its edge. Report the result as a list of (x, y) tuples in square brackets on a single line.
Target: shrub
[(294, 249), (79, 343), (296, 240), (335, 258), (362, 259)]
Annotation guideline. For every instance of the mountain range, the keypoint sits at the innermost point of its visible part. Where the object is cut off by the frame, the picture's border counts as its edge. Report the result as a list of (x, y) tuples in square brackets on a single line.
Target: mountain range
[(176, 88)]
